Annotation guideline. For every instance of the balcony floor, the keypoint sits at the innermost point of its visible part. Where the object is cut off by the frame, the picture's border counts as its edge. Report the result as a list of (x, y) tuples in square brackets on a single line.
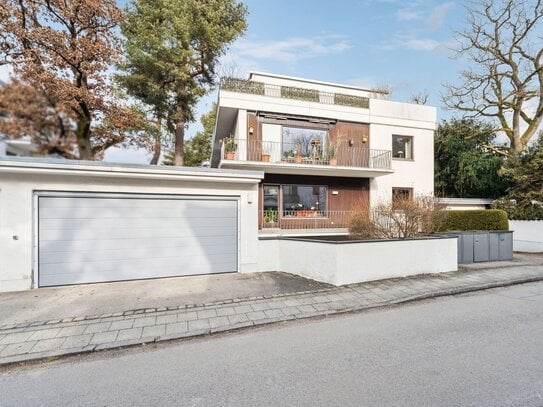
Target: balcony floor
[(305, 169)]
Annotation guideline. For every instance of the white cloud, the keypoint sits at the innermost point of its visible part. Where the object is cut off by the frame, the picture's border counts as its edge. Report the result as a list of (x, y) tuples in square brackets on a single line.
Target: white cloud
[(437, 16), (411, 42), (408, 15), (292, 49), (422, 44)]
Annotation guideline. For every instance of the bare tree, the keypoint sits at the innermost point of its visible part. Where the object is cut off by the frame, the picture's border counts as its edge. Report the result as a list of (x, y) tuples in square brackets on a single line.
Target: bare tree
[(59, 95), (504, 82), (420, 98)]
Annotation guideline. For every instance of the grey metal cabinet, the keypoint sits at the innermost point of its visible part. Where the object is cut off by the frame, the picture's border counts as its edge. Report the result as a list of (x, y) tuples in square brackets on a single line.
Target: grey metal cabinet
[(481, 249), (505, 244), (484, 246)]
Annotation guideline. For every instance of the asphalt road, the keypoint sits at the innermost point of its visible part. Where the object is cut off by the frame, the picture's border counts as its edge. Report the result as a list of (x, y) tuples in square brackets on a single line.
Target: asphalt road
[(483, 349)]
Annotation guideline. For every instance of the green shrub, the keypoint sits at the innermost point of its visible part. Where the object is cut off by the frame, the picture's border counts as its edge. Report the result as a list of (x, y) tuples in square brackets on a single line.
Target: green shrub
[(484, 219), (520, 209), (291, 92), (243, 86), (354, 101)]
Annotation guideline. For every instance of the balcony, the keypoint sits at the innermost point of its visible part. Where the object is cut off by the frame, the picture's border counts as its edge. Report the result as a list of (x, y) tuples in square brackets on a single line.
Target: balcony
[(309, 159), (293, 93), (303, 220)]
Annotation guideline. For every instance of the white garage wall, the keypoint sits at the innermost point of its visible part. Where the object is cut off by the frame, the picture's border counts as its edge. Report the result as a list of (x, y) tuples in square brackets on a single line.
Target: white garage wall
[(19, 179)]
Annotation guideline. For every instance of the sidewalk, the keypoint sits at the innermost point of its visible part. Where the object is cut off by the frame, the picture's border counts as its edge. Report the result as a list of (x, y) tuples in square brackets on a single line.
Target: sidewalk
[(49, 339)]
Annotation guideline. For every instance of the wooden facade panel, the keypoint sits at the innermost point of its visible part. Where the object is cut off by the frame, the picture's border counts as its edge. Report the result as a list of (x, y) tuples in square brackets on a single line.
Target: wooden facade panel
[(352, 142), (254, 141)]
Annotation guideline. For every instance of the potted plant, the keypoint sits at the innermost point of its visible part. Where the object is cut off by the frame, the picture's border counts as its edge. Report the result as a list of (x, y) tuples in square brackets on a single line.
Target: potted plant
[(230, 147), (266, 155), (270, 216), (297, 157)]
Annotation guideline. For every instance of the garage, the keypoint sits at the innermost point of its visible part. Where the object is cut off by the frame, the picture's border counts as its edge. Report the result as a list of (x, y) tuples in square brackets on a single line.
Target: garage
[(88, 238)]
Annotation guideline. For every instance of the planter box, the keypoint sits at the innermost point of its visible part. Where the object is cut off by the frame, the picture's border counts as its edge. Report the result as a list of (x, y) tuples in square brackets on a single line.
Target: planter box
[(483, 246), (528, 235), (356, 261)]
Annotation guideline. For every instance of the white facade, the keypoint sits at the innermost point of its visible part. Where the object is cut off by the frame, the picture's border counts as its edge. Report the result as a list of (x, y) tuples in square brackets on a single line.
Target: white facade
[(527, 236), (384, 117), (21, 180)]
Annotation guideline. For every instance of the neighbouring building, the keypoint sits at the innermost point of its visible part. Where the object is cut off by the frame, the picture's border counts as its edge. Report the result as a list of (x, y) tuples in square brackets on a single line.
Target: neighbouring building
[(324, 148)]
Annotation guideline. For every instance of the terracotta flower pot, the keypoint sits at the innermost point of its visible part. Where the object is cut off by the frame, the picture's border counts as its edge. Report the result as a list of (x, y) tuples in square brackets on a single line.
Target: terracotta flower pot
[(332, 161), (266, 158), (298, 159), (229, 155)]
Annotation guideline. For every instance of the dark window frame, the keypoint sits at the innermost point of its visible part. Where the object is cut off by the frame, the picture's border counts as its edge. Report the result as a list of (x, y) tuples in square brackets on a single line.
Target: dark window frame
[(403, 190), (412, 147)]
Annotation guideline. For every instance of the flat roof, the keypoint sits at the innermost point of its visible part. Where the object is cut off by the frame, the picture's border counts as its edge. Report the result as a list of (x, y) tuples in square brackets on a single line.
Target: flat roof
[(466, 201), (295, 78), (122, 169)]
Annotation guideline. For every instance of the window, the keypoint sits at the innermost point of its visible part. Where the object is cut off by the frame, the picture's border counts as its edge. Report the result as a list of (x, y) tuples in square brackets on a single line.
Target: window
[(402, 147), (401, 194), (271, 203), (308, 143), (304, 200)]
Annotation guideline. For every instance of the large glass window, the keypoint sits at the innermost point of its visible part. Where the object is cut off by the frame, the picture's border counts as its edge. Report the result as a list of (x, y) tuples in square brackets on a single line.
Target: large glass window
[(307, 143), (402, 147), (304, 200)]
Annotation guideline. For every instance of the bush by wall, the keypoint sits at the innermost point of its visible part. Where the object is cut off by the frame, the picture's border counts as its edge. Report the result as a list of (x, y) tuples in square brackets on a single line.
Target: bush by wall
[(485, 219), (520, 210)]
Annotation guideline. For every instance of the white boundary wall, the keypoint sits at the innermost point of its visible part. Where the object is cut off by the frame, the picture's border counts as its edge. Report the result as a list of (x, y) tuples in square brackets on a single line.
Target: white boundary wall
[(355, 262), (21, 178), (528, 236)]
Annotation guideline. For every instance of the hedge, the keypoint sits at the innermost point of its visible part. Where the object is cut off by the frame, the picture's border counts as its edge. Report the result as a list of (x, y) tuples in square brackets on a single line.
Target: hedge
[(484, 219)]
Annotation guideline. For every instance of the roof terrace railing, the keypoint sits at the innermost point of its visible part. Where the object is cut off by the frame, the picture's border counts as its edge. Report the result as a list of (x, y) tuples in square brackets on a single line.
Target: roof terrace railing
[(299, 153), (292, 92)]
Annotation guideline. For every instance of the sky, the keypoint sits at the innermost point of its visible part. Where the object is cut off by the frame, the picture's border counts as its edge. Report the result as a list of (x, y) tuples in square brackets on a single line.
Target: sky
[(403, 44)]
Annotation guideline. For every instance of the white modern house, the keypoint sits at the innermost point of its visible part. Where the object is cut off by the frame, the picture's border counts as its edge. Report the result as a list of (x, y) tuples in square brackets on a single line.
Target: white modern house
[(324, 148), (288, 154)]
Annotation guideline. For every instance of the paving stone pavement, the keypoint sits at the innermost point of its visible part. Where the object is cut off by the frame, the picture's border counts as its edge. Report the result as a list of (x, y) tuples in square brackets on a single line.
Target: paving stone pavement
[(48, 339)]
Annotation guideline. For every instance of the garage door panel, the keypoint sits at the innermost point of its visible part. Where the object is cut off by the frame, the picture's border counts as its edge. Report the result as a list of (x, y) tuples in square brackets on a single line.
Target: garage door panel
[(91, 239), (133, 223), (127, 274), (91, 266), (144, 207), (132, 213), (54, 246), (142, 253), (133, 233)]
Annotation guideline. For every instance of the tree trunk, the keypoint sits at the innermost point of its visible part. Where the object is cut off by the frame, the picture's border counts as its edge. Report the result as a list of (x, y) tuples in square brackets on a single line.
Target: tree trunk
[(83, 139), (157, 148), (180, 138)]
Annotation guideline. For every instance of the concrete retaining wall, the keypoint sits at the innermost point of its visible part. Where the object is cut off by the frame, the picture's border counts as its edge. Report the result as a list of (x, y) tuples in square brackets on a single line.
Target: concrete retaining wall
[(351, 262)]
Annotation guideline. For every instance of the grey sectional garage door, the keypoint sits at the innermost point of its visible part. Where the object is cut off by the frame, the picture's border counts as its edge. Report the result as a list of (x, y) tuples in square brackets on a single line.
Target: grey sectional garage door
[(84, 239)]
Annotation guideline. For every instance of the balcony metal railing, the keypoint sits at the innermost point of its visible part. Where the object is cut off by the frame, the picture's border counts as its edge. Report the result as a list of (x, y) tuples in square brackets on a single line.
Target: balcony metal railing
[(291, 92), (304, 219), (305, 153)]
